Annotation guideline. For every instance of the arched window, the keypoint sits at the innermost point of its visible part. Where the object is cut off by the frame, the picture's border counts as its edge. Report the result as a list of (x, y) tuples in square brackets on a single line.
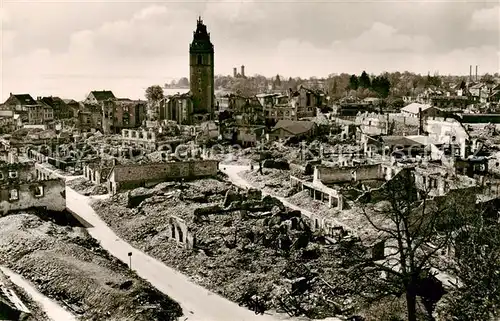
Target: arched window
[(199, 60)]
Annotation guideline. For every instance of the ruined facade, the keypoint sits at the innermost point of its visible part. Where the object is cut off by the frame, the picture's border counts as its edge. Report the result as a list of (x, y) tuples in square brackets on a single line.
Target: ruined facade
[(123, 177), (21, 188), (178, 108)]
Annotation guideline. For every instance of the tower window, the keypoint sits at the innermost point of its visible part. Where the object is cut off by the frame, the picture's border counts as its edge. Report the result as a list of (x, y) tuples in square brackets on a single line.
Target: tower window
[(199, 60)]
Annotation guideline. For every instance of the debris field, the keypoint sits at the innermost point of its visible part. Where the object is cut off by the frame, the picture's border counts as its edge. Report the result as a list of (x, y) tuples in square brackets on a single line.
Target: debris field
[(247, 248), (67, 265)]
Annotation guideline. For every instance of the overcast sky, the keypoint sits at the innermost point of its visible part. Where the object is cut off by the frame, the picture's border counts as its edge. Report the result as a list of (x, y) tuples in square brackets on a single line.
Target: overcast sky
[(67, 48)]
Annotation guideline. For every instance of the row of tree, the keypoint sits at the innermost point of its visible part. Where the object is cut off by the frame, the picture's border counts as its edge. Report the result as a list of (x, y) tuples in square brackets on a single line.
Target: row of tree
[(379, 85), (386, 85)]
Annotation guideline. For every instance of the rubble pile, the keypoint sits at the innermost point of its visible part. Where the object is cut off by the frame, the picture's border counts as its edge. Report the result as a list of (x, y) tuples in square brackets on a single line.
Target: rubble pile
[(86, 187), (273, 181), (66, 264), (246, 246), (36, 312)]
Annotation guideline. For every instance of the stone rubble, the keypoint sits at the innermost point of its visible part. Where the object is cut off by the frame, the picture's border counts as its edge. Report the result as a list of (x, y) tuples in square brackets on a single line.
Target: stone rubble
[(66, 264)]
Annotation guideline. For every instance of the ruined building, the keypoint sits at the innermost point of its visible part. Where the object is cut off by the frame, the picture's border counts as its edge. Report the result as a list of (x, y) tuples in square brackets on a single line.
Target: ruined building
[(22, 186), (201, 65)]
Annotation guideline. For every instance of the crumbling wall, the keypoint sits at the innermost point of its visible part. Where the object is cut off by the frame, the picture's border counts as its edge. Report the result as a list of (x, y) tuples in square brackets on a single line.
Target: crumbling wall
[(132, 176), (42, 173), (180, 232), (49, 194), (95, 174), (16, 172), (329, 175)]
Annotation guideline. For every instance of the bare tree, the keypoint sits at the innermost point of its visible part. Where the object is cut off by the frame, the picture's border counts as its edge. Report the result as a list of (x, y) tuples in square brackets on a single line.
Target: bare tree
[(415, 229), (477, 257)]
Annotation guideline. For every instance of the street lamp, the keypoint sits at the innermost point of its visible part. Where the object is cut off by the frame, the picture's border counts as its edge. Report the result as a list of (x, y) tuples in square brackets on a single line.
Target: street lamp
[(130, 260)]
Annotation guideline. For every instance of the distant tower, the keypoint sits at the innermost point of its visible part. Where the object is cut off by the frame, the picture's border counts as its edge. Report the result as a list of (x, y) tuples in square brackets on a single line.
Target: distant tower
[(242, 71), (235, 72), (201, 65)]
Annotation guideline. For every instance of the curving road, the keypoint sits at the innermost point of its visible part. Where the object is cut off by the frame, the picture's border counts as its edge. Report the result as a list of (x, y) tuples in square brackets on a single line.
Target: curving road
[(198, 303)]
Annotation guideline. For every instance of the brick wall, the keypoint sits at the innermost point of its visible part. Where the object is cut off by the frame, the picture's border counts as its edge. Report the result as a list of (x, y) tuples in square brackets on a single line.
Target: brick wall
[(49, 194)]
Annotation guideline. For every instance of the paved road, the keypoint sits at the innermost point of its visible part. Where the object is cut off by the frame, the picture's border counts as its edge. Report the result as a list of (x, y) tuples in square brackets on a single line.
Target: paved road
[(53, 310), (198, 303)]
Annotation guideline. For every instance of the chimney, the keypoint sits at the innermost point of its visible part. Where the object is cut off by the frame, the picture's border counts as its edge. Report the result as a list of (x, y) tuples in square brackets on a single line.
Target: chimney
[(470, 73), (476, 72), (235, 72), (420, 124), (242, 71), (10, 94)]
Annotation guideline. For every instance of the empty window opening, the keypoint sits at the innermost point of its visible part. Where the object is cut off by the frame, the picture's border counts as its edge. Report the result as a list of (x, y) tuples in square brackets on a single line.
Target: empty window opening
[(13, 195), (173, 231), (199, 60), (13, 174), (39, 191), (180, 234)]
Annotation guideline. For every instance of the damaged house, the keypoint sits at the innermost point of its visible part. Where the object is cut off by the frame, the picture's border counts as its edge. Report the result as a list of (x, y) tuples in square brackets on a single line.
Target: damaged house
[(20, 189)]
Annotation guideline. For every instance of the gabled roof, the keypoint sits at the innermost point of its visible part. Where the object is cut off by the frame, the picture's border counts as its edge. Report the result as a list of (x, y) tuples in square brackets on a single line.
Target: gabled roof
[(399, 140), (103, 95), (414, 108), (477, 86), (295, 127), (52, 101), (70, 101), (24, 99)]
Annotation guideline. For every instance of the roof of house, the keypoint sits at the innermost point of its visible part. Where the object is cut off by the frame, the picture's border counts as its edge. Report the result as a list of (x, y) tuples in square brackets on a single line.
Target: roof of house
[(477, 86), (103, 95), (399, 140), (51, 101), (25, 99), (413, 108), (70, 101), (295, 127)]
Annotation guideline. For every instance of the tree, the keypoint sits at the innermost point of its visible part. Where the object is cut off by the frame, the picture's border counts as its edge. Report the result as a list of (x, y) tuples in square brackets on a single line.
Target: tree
[(414, 230), (477, 258), (353, 82), (364, 80), (381, 86), (277, 82), (488, 79), (183, 82), (153, 94)]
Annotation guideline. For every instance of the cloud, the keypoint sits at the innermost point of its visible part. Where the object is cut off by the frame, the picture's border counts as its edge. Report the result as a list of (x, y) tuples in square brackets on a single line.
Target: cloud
[(125, 50), (151, 32), (384, 38), (486, 19)]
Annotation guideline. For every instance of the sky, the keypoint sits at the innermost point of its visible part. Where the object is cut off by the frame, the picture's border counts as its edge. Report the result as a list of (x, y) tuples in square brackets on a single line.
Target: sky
[(68, 48)]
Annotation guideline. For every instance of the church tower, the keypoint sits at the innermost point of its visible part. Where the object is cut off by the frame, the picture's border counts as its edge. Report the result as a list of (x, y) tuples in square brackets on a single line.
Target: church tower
[(201, 65)]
